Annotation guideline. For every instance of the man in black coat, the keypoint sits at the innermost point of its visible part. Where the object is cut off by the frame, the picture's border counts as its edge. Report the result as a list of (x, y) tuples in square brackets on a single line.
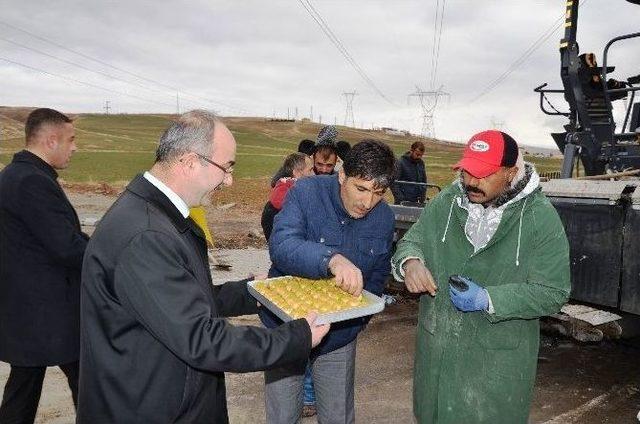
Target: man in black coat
[(411, 168), (154, 343), (41, 249)]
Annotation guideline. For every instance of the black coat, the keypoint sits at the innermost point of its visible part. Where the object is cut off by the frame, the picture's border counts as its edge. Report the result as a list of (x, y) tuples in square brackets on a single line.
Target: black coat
[(41, 248), (154, 347), (409, 170), (269, 212)]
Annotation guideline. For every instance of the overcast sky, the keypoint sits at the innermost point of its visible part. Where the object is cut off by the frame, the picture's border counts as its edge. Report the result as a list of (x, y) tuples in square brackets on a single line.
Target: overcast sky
[(257, 58)]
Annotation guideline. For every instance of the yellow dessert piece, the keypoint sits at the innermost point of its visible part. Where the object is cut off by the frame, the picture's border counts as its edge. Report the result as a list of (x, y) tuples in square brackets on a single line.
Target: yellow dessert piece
[(298, 296)]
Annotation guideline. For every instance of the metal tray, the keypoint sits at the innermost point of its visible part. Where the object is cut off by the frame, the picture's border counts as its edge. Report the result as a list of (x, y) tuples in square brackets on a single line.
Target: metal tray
[(375, 304)]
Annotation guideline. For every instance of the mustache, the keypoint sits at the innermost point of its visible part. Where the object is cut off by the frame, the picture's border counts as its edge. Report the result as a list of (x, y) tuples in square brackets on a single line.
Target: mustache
[(470, 189)]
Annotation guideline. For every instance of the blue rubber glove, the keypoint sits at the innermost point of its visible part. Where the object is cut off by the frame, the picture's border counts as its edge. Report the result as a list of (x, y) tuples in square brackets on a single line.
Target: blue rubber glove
[(473, 299)]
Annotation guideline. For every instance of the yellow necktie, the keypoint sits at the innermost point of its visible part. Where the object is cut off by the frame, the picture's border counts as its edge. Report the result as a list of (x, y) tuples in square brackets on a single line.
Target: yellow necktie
[(198, 215)]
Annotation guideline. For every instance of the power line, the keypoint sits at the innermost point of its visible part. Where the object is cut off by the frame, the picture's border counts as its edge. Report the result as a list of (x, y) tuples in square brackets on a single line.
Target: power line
[(77, 65), (135, 75), (88, 84), (523, 58), (437, 29), (311, 10)]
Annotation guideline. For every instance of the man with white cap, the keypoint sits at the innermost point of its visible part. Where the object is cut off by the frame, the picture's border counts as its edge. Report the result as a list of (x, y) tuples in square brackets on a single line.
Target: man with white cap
[(492, 254)]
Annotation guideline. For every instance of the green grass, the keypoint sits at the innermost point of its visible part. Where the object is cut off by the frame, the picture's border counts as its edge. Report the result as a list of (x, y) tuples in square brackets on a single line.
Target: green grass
[(114, 148)]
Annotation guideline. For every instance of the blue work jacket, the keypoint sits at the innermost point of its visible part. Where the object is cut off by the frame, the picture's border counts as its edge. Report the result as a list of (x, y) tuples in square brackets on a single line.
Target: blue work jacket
[(312, 226)]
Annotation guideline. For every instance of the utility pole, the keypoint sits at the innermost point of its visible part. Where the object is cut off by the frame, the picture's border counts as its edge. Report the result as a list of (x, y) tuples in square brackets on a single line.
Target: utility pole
[(348, 114), (428, 103), (496, 124), (177, 103), (107, 107), (320, 119), (311, 114), (288, 115), (296, 118)]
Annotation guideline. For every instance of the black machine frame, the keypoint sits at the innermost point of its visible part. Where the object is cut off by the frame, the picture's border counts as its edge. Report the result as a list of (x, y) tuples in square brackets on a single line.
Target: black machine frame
[(590, 135)]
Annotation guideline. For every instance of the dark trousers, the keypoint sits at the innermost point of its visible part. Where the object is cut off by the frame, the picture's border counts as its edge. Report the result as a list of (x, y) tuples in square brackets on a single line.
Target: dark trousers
[(22, 392)]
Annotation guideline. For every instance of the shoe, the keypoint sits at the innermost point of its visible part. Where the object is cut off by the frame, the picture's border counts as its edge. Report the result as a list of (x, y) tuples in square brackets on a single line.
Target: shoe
[(309, 411)]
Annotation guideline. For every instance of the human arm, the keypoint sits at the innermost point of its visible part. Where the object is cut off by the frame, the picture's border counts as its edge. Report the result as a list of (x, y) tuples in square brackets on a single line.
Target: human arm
[(45, 212), (289, 247), (235, 299), (154, 283), (408, 263)]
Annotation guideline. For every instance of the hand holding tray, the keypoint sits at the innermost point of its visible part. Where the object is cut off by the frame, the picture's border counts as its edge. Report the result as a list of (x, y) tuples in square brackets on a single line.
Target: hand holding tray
[(294, 297)]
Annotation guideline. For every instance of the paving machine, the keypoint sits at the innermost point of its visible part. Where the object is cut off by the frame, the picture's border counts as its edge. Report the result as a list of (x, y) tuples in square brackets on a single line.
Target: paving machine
[(601, 213)]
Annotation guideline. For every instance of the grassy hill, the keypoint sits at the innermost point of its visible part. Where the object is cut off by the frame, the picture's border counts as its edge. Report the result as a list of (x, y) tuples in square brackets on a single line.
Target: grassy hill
[(113, 148)]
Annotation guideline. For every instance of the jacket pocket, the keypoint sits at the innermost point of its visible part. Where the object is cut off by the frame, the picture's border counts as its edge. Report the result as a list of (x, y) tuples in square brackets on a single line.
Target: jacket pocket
[(427, 314), (369, 249), (330, 238), (505, 335), (191, 389)]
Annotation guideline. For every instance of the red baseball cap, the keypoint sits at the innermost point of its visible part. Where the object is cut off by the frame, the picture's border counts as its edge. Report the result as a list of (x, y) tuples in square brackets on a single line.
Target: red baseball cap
[(487, 152)]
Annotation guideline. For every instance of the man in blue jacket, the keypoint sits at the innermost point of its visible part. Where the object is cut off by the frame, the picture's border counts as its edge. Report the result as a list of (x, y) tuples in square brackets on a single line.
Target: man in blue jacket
[(411, 169), (332, 225)]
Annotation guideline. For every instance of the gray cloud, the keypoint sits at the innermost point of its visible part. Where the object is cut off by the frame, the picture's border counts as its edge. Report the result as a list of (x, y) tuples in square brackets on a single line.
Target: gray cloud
[(260, 57)]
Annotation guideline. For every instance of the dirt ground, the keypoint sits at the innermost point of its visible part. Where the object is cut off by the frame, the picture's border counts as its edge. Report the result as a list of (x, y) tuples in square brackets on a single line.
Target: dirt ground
[(577, 383)]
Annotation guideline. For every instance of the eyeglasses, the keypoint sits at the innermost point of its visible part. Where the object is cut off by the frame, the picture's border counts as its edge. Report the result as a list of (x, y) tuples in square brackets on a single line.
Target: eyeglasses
[(228, 170)]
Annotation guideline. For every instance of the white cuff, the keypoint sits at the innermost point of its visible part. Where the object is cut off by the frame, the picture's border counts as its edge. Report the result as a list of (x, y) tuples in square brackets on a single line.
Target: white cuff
[(398, 272), (490, 309)]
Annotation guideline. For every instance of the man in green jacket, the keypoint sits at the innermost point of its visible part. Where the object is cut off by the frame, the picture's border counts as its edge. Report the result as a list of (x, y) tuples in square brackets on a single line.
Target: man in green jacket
[(477, 342)]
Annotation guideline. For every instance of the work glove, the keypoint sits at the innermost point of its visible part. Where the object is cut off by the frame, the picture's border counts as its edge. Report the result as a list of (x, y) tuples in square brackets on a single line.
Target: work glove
[(466, 295)]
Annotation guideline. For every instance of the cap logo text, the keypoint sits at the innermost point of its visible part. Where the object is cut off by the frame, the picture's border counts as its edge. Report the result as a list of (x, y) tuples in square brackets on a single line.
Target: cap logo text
[(479, 146)]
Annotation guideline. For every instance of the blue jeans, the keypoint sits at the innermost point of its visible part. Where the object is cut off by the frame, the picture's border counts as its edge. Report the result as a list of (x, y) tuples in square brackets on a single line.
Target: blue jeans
[(309, 393), (333, 378)]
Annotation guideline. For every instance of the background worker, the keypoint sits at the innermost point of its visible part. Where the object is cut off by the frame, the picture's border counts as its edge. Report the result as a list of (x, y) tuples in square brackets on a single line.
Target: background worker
[(325, 155), (411, 168), (41, 250), (295, 166)]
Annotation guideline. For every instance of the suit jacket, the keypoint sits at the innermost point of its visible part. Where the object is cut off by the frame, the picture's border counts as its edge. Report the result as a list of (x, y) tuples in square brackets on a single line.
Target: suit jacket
[(154, 345), (41, 248)]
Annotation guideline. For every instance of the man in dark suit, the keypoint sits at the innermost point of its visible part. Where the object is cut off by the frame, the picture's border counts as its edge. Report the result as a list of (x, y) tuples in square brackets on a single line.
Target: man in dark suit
[(154, 341), (41, 249)]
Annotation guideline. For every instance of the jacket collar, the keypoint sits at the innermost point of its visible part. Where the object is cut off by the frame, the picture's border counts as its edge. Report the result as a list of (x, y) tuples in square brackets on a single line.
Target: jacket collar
[(336, 199), (140, 186), (28, 157)]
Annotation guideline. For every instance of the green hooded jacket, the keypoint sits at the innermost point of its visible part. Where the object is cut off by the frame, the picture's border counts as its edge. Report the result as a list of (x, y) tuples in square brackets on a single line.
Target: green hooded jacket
[(478, 367)]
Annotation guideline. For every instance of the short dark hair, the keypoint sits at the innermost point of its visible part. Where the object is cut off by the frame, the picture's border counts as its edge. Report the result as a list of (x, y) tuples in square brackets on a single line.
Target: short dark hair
[(306, 146), (342, 149), (325, 150), (417, 145), (40, 117), (371, 160)]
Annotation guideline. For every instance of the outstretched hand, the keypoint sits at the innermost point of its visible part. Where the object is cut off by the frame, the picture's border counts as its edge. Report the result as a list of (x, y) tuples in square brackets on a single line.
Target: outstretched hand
[(418, 278)]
